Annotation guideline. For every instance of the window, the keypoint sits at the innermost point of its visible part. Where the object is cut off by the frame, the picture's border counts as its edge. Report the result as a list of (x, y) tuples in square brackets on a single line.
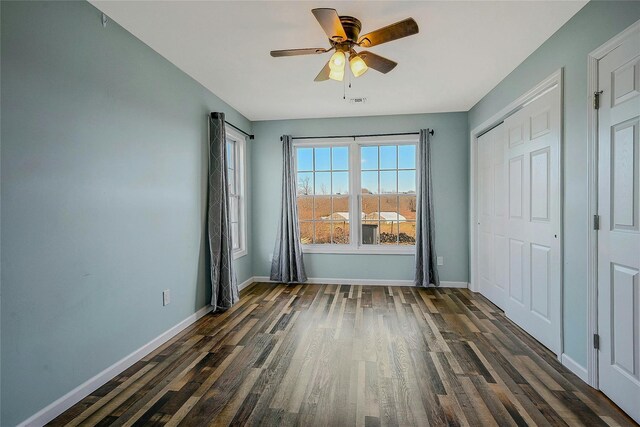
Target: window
[(235, 176), (357, 195)]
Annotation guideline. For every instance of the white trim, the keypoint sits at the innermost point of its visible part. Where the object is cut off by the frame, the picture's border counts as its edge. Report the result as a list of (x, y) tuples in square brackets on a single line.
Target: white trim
[(366, 282), (65, 402), (615, 41), (246, 283), (592, 138), (240, 253), (575, 367), (364, 249)]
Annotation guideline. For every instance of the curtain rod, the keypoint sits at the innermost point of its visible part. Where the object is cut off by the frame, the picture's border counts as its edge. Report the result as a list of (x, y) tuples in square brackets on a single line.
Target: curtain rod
[(238, 129), (430, 131)]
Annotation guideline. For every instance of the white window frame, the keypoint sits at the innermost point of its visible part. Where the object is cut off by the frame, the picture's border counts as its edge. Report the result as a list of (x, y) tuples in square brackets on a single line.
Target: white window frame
[(240, 142), (354, 143)]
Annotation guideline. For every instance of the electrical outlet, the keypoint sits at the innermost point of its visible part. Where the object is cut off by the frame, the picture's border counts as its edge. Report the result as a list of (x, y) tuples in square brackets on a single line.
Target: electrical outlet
[(166, 297), (440, 260)]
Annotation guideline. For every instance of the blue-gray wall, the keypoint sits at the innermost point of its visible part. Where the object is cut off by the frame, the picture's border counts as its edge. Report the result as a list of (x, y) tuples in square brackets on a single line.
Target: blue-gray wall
[(592, 26), (103, 186), (450, 183), (104, 157)]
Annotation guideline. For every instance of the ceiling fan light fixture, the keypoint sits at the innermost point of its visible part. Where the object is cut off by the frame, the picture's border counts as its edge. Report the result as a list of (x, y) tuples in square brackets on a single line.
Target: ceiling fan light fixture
[(337, 75), (336, 64), (357, 65), (337, 60)]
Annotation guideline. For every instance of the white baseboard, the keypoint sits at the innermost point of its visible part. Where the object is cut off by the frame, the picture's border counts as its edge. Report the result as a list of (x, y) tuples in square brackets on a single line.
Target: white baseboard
[(56, 408), (574, 367), (370, 282), (459, 285), (246, 283)]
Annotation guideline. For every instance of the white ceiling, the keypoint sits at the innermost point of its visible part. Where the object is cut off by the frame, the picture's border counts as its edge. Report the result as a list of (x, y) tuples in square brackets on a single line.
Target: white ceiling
[(463, 50)]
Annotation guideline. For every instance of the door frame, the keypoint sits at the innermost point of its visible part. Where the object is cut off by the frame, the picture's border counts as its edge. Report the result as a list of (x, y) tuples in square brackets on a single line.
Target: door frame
[(593, 60), (545, 86)]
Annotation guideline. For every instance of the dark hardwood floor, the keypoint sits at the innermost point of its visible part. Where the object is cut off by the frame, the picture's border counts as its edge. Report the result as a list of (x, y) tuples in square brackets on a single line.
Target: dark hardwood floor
[(349, 356)]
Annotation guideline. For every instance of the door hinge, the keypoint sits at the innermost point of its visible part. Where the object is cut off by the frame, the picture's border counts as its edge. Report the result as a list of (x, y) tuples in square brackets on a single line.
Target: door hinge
[(596, 99), (596, 222), (596, 341)]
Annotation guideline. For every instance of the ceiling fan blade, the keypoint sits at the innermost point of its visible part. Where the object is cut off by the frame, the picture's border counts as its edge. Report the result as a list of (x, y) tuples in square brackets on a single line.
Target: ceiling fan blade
[(404, 28), (330, 23), (377, 62), (323, 74), (296, 52)]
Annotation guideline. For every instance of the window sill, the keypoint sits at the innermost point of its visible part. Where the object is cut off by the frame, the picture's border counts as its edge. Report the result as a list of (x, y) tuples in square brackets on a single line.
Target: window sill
[(362, 250), (239, 254)]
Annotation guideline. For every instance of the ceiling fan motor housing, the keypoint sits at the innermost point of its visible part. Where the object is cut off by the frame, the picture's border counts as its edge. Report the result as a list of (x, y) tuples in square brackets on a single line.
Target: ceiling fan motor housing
[(352, 27)]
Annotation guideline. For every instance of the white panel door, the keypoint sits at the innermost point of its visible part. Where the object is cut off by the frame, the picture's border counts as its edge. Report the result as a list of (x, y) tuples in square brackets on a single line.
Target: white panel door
[(532, 224), (619, 235), (492, 242)]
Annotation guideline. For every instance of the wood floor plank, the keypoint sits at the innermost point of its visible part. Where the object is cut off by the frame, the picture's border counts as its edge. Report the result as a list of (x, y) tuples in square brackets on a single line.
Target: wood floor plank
[(349, 355)]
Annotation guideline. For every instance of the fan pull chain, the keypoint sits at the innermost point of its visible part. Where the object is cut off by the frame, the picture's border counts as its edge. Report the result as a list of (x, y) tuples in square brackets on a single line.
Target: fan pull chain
[(344, 90)]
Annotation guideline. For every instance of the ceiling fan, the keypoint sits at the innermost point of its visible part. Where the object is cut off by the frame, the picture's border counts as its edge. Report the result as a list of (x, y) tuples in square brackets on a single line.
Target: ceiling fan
[(344, 36)]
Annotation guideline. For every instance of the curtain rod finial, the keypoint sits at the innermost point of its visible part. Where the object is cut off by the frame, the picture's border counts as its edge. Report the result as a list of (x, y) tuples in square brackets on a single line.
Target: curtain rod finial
[(432, 132)]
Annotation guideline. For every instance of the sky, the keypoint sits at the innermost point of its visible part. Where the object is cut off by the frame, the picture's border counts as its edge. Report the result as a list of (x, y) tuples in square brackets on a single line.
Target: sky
[(377, 163)]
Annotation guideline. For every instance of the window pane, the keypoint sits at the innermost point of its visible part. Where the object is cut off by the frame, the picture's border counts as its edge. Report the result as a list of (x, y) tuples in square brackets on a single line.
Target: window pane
[(305, 183), (388, 233), (340, 183), (370, 205), (388, 208), (233, 210), (388, 157), (340, 158), (388, 182), (340, 209), (323, 232), (323, 182), (305, 159), (369, 157), (230, 154), (305, 208), (407, 207), (231, 180), (323, 159), (306, 233), (407, 233), (406, 181), (322, 207), (235, 236), (370, 233), (407, 157), (369, 182), (340, 233)]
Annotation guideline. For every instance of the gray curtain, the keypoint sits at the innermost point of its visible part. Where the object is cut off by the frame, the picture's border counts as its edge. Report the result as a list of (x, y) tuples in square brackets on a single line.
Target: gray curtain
[(287, 265), (426, 259), (224, 285)]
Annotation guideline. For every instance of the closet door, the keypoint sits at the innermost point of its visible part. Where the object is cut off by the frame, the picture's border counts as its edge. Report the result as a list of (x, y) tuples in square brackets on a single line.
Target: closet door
[(491, 250), (532, 225)]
